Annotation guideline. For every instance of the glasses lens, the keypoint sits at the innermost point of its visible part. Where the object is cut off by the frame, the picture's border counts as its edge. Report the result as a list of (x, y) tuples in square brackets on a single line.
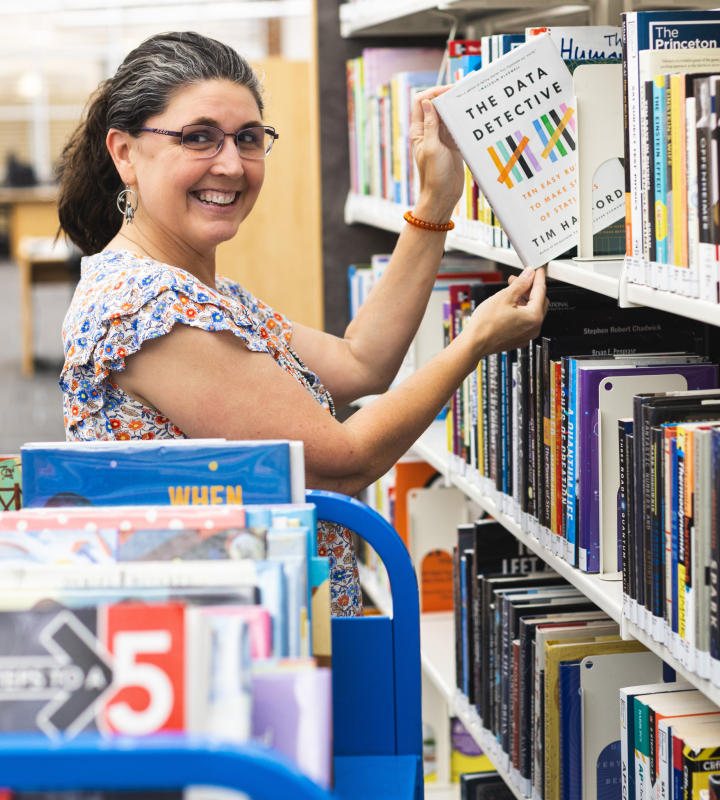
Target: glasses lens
[(201, 141), (254, 142)]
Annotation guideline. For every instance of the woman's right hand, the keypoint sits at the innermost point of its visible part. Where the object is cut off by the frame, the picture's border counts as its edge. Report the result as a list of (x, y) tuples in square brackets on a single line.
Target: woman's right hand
[(511, 318)]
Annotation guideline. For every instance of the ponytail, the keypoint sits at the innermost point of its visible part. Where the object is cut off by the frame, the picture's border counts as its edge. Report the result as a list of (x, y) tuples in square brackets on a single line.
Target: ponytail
[(89, 181), (142, 88)]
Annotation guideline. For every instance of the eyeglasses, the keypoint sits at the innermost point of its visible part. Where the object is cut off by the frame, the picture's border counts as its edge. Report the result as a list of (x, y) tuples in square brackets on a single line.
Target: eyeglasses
[(205, 141)]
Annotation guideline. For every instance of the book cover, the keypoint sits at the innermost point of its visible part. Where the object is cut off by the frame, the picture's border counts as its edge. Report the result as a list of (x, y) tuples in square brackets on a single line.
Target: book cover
[(555, 653), (10, 483), (514, 124), (160, 473), (570, 712)]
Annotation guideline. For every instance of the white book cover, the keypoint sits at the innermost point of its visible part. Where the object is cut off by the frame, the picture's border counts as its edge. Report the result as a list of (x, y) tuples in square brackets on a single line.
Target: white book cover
[(514, 123), (581, 43)]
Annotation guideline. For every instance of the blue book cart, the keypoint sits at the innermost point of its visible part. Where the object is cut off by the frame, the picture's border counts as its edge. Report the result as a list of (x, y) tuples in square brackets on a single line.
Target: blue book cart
[(376, 707)]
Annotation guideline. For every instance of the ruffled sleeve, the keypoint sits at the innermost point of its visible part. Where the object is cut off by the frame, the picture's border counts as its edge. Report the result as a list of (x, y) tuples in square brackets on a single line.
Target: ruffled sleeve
[(123, 300)]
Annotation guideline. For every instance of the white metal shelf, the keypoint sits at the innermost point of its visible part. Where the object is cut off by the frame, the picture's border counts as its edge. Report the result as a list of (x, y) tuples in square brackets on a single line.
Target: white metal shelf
[(599, 276), (415, 17), (704, 686), (674, 303)]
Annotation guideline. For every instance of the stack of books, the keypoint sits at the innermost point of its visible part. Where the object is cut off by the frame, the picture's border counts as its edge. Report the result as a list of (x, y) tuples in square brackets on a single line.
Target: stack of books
[(672, 67), (669, 464), (146, 606)]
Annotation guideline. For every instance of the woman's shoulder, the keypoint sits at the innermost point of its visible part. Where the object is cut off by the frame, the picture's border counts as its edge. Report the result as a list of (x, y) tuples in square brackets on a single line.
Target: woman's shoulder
[(118, 281)]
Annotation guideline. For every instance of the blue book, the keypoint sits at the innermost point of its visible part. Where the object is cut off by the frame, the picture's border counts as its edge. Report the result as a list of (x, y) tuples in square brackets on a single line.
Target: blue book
[(570, 517), (168, 472), (570, 731), (507, 42), (675, 535), (660, 168)]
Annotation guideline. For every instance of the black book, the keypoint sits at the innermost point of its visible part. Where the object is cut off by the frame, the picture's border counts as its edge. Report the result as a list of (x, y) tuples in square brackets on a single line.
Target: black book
[(486, 586), (656, 551), (625, 427), (648, 134), (530, 446), (705, 143), (494, 414), (528, 626), (539, 487), (496, 552), (715, 551), (650, 410), (523, 394), (465, 542), (515, 608)]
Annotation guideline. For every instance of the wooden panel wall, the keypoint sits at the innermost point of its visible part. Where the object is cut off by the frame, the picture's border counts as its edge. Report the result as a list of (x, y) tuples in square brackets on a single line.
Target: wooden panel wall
[(276, 254)]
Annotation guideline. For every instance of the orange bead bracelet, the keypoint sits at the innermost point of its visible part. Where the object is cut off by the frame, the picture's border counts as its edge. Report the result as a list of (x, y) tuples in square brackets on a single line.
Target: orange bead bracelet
[(428, 226)]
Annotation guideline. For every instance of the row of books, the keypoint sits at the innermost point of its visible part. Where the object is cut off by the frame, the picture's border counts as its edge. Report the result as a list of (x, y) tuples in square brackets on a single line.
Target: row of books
[(669, 464), (671, 150), (524, 427), (555, 686), (382, 164), (139, 619)]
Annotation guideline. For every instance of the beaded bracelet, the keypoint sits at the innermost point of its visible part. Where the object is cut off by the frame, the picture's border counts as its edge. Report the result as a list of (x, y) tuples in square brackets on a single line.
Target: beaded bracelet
[(428, 226)]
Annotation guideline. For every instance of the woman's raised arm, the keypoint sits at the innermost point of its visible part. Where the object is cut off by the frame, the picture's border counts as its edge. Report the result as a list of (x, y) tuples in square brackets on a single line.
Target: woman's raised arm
[(211, 385), (369, 356)]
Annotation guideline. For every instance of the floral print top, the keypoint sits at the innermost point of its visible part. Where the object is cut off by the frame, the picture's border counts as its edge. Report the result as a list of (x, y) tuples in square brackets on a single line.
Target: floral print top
[(124, 299)]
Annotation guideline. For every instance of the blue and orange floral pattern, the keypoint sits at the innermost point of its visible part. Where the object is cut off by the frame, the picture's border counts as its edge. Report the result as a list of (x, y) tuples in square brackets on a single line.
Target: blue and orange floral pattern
[(123, 299)]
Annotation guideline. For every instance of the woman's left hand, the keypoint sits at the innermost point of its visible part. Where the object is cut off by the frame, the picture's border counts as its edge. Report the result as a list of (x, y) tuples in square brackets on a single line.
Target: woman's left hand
[(441, 168)]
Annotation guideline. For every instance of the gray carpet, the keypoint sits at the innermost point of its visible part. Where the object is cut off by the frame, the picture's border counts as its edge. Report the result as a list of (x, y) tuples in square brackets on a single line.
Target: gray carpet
[(30, 408)]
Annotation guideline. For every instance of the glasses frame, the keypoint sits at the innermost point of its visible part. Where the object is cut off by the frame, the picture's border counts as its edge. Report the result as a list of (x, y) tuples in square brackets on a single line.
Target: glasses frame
[(270, 131)]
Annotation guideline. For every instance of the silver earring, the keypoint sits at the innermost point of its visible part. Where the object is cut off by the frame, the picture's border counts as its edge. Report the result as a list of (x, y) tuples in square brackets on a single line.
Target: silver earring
[(128, 211)]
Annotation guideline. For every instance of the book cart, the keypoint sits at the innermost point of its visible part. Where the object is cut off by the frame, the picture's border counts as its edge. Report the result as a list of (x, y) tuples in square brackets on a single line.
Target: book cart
[(376, 714), (355, 226)]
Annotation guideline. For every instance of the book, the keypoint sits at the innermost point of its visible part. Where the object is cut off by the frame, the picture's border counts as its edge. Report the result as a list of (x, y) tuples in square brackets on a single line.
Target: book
[(175, 472), (524, 161), (10, 483)]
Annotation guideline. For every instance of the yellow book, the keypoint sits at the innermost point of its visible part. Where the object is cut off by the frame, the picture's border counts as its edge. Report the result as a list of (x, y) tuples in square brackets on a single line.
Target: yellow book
[(468, 193), (678, 156), (701, 758), (395, 100), (569, 650)]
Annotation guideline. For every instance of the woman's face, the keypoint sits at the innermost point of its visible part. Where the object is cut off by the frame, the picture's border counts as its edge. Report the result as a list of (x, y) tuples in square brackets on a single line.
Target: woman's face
[(170, 184)]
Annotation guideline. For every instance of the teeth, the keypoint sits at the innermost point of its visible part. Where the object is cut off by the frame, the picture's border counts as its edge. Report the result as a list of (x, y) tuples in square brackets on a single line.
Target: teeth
[(216, 198)]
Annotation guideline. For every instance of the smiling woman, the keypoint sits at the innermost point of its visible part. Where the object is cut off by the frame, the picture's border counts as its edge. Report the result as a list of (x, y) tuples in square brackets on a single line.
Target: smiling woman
[(176, 142)]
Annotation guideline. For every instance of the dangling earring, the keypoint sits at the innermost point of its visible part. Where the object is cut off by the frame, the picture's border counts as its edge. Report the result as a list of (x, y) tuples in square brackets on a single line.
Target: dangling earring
[(128, 211)]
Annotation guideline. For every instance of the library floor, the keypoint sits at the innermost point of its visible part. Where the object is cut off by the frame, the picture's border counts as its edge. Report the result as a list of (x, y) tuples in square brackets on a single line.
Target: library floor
[(30, 408)]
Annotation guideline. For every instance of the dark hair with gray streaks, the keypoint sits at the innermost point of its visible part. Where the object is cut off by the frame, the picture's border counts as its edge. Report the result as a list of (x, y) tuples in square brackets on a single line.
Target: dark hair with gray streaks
[(143, 87)]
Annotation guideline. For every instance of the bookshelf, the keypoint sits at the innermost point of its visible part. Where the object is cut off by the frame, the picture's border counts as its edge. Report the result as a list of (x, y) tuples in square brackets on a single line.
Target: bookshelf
[(604, 277)]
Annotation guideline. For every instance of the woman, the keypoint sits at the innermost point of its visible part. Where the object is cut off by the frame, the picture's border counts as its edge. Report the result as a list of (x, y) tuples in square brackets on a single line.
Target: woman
[(176, 143)]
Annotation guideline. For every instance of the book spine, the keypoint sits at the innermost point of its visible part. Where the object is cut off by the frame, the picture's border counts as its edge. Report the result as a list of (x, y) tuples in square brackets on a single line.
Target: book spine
[(622, 508), (625, 769), (632, 57), (714, 560), (691, 199), (457, 610), (667, 527), (682, 543), (689, 536), (552, 481), (682, 195), (637, 600), (465, 661), (712, 295), (516, 707), (675, 566), (559, 551), (571, 513), (649, 183), (494, 413), (523, 427), (657, 543), (629, 554), (706, 220), (539, 444), (669, 177), (538, 775), (504, 416), (476, 672), (547, 441), (630, 264), (531, 443), (505, 679), (645, 149), (659, 172), (703, 551), (652, 717), (564, 401), (525, 710), (485, 418), (647, 465), (515, 451)]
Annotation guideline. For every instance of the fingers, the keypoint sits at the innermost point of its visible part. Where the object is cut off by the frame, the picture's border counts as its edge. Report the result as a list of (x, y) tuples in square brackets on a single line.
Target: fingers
[(431, 121), (521, 285), (428, 94), (537, 293)]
